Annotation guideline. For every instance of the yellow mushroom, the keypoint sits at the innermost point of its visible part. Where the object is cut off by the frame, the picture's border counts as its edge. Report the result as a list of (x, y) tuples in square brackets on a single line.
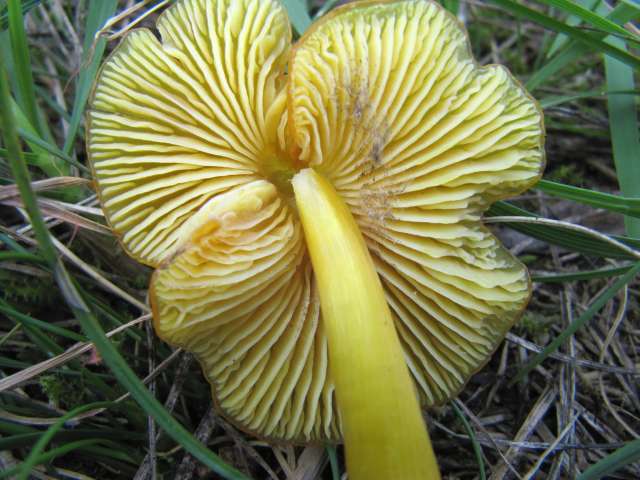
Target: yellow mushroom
[(313, 212)]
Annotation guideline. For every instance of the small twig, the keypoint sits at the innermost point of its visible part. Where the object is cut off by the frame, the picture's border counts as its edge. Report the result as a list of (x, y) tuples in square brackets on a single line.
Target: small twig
[(150, 458), (568, 428), (203, 433), (537, 413)]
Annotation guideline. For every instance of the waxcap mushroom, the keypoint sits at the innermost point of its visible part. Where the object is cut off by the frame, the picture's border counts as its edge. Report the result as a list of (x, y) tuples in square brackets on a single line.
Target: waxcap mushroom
[(194, 140)]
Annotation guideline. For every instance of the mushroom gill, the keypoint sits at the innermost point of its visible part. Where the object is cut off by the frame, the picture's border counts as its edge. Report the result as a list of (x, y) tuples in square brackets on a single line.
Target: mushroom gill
[(194, 141), (175, 122), (388, 104)]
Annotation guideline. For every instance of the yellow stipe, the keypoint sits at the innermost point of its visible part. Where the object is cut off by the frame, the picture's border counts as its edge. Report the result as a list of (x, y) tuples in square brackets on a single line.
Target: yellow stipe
[(384, 432)]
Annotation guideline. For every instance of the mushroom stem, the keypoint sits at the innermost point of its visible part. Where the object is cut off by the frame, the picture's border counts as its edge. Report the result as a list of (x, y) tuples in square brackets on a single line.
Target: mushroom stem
[(384, 432)]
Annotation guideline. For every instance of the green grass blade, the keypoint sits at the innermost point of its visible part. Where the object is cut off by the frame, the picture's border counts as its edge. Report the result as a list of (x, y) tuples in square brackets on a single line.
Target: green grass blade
[(573, 20), (41, 158), (477, 448), (623, 125), (555, 100), (328, 5), (622, 13), (28, 320), (630, 453), (21, 257), (32, 139), (44, 343), (452, 5), (52, 454), (110, 355), (332, 453), (22, 62), (613, 203), (24, 438), (32, 459), (27, 5), (562, 237), (597, 304), (586, 275), (298, 15), (550, 23), (99, 12), (594, 19)]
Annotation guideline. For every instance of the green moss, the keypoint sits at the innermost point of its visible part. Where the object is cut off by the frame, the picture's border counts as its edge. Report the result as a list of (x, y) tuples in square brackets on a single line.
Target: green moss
[(567, 173), (535, 324), (62, 391), (35, 291)]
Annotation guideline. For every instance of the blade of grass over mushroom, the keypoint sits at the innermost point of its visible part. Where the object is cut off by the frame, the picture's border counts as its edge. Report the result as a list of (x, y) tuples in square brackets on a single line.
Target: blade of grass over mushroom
[(587, 39), (625, 205), (324, 9), (625, 134), (299, 15), (99, 12), (597, 304), (613, 462), (120, 367), (554, 100), (623, 12), (578, 241), (585, 275)]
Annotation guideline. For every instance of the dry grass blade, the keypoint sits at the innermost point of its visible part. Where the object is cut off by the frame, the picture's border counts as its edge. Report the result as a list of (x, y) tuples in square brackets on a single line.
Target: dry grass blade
[(203, 433), (536, 467), (169, 404), (53, 209), (311, 462), (103, 282), (91, 413), (567, 225), (568, 359), (18, 378), (156, 371), (536, 414), (9, 191), (25, 420)]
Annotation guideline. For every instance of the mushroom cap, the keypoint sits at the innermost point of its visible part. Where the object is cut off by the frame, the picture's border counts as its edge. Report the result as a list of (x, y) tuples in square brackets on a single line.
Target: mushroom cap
[(193, 140)]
